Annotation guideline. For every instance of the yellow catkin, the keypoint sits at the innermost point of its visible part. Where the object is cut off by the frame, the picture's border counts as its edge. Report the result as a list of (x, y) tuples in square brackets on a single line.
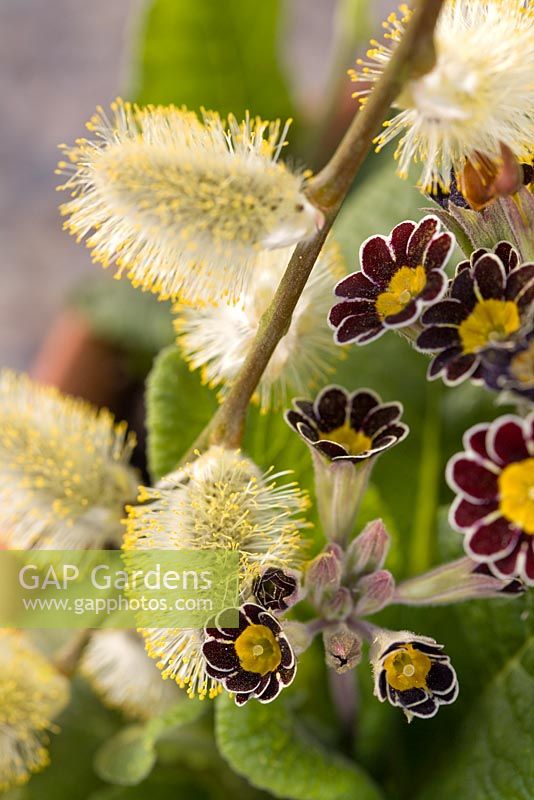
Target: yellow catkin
[(64, 473), (32, 694), (478, 96), (219, 501), (217, 338), (183, 204)]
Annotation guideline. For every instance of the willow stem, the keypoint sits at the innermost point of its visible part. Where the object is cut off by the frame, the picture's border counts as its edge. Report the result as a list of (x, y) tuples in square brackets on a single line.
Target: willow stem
[(68, 657), (414, 56)]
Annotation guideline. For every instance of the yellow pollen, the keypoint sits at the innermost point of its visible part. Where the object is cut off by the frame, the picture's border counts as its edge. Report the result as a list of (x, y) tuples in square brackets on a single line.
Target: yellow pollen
[(490, 321), (407, 283), (516, 488), (407, 668), (354, 442), (257, 650)]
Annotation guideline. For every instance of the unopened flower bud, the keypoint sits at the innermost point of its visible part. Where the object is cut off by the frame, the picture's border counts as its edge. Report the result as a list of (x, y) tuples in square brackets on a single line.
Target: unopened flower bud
[(323, 574), (339, 606), (375, 591), (455, 582), (368, 551), (343, 649), (276, 589)]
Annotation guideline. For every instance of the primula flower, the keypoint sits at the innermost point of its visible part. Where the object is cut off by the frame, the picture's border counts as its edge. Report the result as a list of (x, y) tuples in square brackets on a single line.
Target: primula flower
[(476, 98), (219, 501), (182, 204), (254, 660), (510, 370), (32, 695), (412, 672), (347, 427), (489, 304), (276, 589), (494, 507), (117, 667), (64, 473), (400, 275), (218, 338)]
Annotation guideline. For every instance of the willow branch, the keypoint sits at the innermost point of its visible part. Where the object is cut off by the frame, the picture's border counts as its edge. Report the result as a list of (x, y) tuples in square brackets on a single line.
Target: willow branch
[(413, 56)]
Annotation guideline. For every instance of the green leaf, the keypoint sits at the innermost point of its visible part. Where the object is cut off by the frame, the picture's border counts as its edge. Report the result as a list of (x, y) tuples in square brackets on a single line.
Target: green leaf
[(265, 744), (491, 758), (178, 408), (127, 758), (183, 713), (221, 56)]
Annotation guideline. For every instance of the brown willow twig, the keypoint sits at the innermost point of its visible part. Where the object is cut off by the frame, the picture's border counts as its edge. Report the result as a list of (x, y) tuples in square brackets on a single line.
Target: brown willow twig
[(413, 56)]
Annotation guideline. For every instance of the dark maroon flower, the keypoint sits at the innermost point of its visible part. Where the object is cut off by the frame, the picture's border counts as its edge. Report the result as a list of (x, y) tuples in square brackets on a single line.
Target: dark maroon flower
[(510, 369), (347, 427), (412, 672), (275, 589), (494, 509), (252, 660), (489, 304), (401, 274)]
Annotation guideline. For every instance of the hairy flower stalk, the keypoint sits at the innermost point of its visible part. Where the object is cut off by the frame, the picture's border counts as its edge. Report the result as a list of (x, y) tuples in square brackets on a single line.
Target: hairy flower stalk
[(478, 96), (220, 501), (32, 694), (64, 469), (217, 338), (183, 205)]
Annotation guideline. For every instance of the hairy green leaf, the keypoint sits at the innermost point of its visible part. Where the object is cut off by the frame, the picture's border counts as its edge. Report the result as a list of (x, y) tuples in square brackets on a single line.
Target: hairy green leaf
[(491, 758), (178, 408), (265, 744)]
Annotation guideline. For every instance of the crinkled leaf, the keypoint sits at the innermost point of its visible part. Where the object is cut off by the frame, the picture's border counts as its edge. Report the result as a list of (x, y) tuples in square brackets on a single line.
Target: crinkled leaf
[(266, 744)]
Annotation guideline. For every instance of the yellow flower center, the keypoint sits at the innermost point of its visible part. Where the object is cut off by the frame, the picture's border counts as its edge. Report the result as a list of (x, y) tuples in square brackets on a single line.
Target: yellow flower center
[(516, 486), (258, 650), (354, 442), (407, 668), (406, 284), (490, 321)]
